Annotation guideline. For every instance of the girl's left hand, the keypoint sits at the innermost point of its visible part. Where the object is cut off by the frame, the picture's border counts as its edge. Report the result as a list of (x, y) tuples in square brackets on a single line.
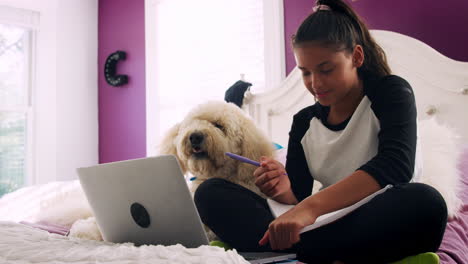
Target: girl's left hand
[(283, 232)]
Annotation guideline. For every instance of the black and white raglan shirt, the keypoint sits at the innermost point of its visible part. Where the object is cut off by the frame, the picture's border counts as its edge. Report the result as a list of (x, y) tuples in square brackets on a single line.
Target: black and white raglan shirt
[(379, 138)]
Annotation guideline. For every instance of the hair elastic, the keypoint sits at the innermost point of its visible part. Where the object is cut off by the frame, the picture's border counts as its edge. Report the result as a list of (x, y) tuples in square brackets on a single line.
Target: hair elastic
[(320, 8)]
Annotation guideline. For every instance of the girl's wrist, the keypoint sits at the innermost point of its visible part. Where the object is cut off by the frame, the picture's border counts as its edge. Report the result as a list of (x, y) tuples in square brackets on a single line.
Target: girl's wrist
[(287, 197), (313, 205)]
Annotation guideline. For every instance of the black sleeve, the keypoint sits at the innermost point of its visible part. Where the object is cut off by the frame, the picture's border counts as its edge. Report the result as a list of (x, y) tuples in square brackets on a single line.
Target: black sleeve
[(296, 164), (394, 105)]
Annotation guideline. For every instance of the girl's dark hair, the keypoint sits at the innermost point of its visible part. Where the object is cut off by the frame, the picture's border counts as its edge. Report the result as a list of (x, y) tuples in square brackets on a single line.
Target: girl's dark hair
[(342, 29)]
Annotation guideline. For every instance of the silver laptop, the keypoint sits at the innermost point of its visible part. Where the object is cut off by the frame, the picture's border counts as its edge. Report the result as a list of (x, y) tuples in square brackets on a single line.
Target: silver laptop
[(147, 201), (143, 201)]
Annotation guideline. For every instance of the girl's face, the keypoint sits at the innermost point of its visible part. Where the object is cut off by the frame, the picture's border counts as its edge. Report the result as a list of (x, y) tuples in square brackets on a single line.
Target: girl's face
[(330, 75)]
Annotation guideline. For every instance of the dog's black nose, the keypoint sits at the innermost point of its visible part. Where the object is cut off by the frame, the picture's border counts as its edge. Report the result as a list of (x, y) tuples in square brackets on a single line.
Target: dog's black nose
[(196, 138)]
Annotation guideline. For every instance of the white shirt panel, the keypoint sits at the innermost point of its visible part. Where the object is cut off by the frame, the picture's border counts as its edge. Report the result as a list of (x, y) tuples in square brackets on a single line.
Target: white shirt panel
[(333, 155)]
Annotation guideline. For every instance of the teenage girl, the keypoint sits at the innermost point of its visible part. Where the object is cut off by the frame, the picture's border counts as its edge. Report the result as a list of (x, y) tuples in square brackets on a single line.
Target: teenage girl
[(358, 137)]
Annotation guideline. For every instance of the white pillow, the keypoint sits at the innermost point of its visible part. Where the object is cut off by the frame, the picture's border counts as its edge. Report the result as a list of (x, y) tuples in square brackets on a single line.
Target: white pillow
[(441, 152), (60, 203)]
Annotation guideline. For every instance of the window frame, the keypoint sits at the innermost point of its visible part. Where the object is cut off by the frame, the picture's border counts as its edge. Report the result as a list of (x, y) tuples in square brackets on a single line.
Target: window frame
[(28, 108)]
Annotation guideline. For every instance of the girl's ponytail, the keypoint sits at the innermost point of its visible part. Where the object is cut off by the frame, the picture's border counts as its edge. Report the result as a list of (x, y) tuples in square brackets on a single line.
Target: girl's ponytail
[(340, 27)]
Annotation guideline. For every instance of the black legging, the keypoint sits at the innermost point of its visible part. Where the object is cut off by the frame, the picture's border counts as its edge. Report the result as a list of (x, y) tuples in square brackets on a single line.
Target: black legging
[(405, 220)]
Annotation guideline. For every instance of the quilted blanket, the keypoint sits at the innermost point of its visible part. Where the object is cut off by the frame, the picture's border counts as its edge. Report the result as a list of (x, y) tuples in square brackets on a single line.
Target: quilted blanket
[(21, 244)]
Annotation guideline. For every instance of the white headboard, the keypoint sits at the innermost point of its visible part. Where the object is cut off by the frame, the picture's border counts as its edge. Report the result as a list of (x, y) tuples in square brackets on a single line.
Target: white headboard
[(440, 85)]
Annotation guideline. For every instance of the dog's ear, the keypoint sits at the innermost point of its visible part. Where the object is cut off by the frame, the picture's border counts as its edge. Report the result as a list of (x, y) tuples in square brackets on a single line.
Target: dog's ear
[(255, 143), (168, 145)]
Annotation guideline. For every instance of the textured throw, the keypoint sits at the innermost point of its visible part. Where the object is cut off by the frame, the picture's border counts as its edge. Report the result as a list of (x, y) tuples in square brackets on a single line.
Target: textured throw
[(22, 244)]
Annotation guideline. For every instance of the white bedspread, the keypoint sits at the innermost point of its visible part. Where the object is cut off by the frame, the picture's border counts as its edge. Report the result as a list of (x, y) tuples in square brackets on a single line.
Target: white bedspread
[(20, 244)]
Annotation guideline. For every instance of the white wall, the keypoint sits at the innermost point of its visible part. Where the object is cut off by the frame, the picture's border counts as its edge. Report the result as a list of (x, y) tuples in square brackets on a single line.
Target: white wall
[(77, 86), (65, 91)]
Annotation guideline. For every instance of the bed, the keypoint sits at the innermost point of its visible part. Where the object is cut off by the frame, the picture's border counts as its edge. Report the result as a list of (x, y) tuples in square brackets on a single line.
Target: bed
[(441, 88)]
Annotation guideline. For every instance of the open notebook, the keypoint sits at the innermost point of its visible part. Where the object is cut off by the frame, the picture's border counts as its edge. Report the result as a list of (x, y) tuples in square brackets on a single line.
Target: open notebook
[(278, 209)]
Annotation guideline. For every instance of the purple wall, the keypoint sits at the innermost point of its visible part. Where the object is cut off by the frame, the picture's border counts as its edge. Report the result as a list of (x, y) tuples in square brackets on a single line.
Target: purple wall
[(294, 12), (122, 124), (442, 25)]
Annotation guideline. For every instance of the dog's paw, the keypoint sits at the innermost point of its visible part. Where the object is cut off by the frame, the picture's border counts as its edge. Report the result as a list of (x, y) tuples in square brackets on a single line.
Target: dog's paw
[(210, 234), (86, 229)]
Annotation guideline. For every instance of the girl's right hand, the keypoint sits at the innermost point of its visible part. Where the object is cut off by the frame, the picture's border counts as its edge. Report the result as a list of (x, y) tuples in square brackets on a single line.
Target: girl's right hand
[(271, 177)]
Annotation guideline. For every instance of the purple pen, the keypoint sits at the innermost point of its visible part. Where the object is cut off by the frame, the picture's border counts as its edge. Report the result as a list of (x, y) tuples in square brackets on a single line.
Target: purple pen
[(243, 159)]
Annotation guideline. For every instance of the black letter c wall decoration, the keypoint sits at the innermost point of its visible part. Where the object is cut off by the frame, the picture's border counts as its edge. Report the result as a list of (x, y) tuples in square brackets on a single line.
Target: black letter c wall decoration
[(110, 69)]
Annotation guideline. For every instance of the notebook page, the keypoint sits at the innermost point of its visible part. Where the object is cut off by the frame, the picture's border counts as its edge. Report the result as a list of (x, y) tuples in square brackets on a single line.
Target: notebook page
[(278, 209)]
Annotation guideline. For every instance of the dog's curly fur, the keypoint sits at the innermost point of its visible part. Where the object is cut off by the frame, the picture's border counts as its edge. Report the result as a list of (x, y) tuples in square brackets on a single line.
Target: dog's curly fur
[(201, 140)]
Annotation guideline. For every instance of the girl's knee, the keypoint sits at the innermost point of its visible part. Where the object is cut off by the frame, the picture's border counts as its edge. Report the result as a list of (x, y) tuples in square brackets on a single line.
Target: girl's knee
[(216, 192), (432, 209), (427, 194), (208, 191)]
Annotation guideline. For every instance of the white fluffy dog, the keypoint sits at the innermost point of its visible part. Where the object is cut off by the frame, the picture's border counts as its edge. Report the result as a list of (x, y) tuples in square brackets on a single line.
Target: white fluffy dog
[(201, 140), (210, 130)]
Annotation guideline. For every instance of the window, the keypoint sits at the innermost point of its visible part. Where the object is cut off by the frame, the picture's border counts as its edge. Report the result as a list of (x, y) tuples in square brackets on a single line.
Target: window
[(16, 43), (203, 47)]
